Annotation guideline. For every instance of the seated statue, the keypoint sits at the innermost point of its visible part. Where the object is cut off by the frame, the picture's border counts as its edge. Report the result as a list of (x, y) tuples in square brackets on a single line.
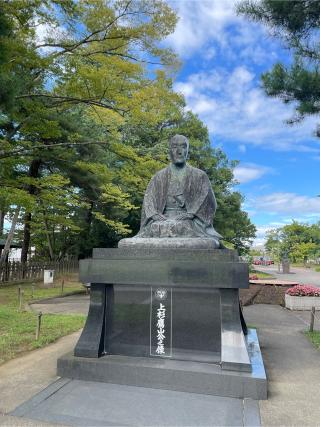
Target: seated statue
[(178, 204)]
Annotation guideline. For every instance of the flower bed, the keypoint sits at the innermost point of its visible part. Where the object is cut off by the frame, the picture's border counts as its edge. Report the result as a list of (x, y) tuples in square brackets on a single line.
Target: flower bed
[(304, 291), (302, 297)]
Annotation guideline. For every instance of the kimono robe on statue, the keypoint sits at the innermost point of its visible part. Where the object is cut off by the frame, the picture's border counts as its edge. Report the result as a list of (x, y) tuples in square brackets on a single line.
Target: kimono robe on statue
[(172, 194)]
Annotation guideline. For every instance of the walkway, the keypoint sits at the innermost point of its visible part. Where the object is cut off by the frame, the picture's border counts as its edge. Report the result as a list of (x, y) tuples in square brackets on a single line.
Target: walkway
[(72, 304), (292, 365), (297, 274)]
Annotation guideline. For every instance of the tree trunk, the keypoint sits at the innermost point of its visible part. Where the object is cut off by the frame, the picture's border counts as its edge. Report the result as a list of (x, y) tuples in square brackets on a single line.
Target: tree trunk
[(1, 226), (7, 245), (26, 237), (2, 214), (33, 173), (49, 239)]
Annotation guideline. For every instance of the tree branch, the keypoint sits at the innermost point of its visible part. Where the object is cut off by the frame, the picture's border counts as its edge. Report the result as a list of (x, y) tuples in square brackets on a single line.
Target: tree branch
[(26, 150), (72, 100), (88, 39)]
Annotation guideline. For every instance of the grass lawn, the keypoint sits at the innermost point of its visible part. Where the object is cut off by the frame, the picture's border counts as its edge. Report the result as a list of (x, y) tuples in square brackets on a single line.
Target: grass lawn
[(314, 337), (261, 275), (18, 327)]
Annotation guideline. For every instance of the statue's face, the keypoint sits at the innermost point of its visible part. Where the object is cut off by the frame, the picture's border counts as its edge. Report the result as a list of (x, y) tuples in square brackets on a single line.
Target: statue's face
[(179, 151)]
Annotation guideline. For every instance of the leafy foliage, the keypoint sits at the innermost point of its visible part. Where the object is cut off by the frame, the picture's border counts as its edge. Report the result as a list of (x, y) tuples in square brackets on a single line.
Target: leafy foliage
[(299, 241), (86, 108)]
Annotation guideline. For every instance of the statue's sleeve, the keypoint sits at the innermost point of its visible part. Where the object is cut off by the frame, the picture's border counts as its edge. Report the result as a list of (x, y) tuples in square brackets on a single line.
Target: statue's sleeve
[(149, 207), (204, 204)]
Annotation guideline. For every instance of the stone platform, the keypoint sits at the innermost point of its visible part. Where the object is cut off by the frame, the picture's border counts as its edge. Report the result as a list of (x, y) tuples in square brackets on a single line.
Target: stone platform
[(168, 374), (169, 243), (88, 403), (178, 327)]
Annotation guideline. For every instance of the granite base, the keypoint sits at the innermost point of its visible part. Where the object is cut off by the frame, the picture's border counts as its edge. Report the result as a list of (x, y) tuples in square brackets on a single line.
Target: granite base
[(169, 243), (184, 376), (87, 403)]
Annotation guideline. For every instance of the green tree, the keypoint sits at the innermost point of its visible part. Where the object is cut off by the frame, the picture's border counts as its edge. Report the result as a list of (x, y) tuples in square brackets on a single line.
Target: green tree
[(296, 24), (91, 67), (85, 115), (299, 241), (303, 251)]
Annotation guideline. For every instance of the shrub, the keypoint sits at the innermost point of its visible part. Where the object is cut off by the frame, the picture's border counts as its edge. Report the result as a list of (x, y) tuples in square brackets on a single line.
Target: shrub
[(304, 291)]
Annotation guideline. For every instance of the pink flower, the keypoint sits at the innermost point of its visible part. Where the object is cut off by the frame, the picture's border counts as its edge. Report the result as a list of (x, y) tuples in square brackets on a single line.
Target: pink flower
[(304, 291)]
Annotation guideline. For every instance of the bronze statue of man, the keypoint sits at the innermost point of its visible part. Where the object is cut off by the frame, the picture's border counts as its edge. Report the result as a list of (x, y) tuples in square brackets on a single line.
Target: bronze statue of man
[(179, 201)]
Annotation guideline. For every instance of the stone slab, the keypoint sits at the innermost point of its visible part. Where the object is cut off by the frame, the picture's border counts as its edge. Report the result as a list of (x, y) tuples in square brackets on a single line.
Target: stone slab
[(178, 375), (86, 403), (168, 254), (170, 243), (218, 268)]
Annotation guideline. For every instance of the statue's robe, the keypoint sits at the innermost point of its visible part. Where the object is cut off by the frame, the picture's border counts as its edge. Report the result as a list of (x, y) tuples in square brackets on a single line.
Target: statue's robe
[(198, 197)]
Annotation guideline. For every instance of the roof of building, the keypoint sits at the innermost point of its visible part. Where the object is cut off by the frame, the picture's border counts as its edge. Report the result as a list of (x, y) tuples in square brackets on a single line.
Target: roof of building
[(13, 245)]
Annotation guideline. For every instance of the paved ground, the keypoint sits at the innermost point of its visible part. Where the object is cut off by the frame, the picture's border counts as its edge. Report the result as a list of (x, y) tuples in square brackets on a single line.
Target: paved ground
[(27, 375), (86, 403), (274, 282), (72, 304), (292, 365), (297, 274)]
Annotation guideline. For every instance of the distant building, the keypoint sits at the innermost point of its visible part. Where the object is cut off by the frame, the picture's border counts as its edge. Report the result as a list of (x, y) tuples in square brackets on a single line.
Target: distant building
[(15, 250)]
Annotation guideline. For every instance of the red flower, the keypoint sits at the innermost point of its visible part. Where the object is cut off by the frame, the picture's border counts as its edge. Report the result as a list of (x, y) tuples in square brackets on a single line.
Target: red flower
[(304, 291)]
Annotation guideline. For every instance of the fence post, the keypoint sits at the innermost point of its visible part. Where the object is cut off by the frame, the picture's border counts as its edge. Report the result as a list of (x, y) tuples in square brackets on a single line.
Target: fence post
[(38, 325), (62, 286), (20, 299), (313, 312)]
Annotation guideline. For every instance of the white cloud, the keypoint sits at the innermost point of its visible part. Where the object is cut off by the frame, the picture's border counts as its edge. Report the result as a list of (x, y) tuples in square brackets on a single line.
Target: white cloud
[(45, 31), (288, 203), (228, 97), (207, 26), (199, 22), (235, 109), (260, 238), (249, 172), (242, 148), (284, 208)]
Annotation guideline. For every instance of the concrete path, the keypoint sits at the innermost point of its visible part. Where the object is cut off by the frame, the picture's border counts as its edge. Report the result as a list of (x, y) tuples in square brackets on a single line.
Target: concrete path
[(86, 403), (273, 282), (72, 304), (292, 365), (305, 276), (27, 375)]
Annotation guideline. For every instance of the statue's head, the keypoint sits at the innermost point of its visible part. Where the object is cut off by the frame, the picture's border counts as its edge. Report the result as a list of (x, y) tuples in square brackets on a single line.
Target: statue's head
[(178, 149)]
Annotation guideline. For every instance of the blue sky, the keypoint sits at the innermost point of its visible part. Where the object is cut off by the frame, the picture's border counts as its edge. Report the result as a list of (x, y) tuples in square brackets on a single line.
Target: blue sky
[(223, 56)]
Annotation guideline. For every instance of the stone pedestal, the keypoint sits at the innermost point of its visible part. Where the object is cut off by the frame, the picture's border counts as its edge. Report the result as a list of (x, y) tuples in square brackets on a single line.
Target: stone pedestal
[(285, 266), (166, 318)]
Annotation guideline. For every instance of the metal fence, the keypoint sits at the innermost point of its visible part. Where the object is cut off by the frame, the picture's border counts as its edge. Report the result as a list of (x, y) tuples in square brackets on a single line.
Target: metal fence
[(14, 271)]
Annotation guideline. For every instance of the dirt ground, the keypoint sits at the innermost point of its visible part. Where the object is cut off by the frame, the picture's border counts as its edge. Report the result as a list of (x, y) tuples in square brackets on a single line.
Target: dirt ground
[(263, 294)]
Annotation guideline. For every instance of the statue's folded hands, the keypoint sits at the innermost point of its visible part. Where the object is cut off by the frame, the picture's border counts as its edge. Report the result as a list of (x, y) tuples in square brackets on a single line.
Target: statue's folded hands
[(158, 217), (185, 216)]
